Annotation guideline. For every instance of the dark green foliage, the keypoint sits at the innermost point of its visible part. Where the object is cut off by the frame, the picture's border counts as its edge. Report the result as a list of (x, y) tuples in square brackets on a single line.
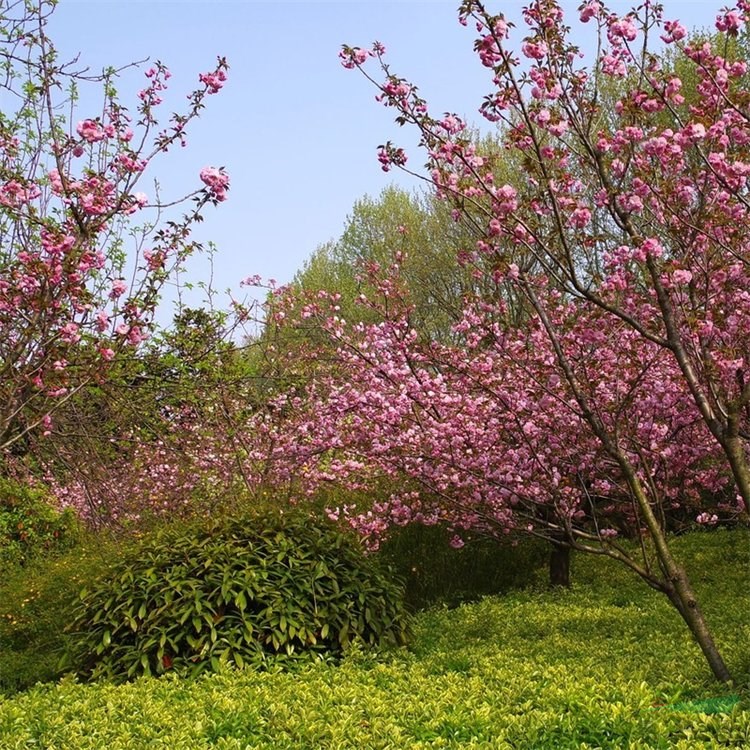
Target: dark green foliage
[(248, 590), (29, 525), (435, 573)]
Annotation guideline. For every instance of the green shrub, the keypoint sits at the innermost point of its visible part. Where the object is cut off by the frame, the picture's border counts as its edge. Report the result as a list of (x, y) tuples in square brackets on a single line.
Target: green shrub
[(29, 525), (36, 604), (436, 573), (248, 590)]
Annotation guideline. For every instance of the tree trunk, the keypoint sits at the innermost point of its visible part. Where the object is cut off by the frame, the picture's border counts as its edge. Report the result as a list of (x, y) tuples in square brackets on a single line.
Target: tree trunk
[(734, 449), (677, 585), (559, 565), (683, 598)]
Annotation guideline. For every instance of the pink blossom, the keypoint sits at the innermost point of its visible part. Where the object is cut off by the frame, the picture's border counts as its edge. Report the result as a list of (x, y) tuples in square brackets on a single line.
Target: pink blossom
[(255, 280), (154, 259), (580, 217), (90, 130), (507, 198), (489, 53), (613, 65), (69, 333), (590, 10), (388, 156), (631, 203), (217, 182), (623, 28), (452, 124), (695, 131), (456, 542), (673, 32), (56, 182), (214, 81), (729, 22), (102, 321), (535, 50), (350, 58), (682, 276), (558, 128), (136, 335), (119, 287), (501, 28)]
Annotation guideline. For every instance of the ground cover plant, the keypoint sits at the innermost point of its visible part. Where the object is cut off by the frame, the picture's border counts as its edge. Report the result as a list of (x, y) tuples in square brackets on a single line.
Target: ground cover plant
[(604, 665), (30, 525)]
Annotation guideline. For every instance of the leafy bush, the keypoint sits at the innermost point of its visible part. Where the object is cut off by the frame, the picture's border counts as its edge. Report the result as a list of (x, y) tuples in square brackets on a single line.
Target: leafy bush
[(436, 573), (29, 525), (247, 590)]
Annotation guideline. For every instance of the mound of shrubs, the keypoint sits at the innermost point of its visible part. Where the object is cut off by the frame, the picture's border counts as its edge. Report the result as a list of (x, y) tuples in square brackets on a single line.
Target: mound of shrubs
[(253, 590)]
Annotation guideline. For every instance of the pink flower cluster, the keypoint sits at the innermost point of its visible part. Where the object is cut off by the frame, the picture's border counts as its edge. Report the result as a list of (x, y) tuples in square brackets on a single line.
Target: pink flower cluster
[(214, 80), (217, 182), (641, 332)]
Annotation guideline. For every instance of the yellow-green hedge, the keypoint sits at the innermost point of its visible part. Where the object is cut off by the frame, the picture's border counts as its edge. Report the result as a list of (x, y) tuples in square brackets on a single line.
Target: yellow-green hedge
[(606, 665)]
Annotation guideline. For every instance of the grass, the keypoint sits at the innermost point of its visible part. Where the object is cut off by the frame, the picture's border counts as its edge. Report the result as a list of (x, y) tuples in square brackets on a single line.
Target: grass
[(606, 665)]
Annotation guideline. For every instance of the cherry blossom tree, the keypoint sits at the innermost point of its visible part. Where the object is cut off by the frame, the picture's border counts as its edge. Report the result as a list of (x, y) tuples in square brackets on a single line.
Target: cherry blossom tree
[(626, 234), (490, 438), (670, 194), (85, 252)]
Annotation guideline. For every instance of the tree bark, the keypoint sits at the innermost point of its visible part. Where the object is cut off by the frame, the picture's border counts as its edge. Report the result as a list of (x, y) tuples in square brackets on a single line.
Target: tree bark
[(684, 601), (677, 585), (734, 449), (559, 565)]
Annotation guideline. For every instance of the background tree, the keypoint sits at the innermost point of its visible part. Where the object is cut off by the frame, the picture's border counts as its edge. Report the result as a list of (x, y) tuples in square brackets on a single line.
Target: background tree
[(170, 431)]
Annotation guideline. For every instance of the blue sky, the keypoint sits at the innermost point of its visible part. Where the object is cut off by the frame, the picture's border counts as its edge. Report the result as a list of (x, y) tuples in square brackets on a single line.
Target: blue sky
[(296, 132)]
